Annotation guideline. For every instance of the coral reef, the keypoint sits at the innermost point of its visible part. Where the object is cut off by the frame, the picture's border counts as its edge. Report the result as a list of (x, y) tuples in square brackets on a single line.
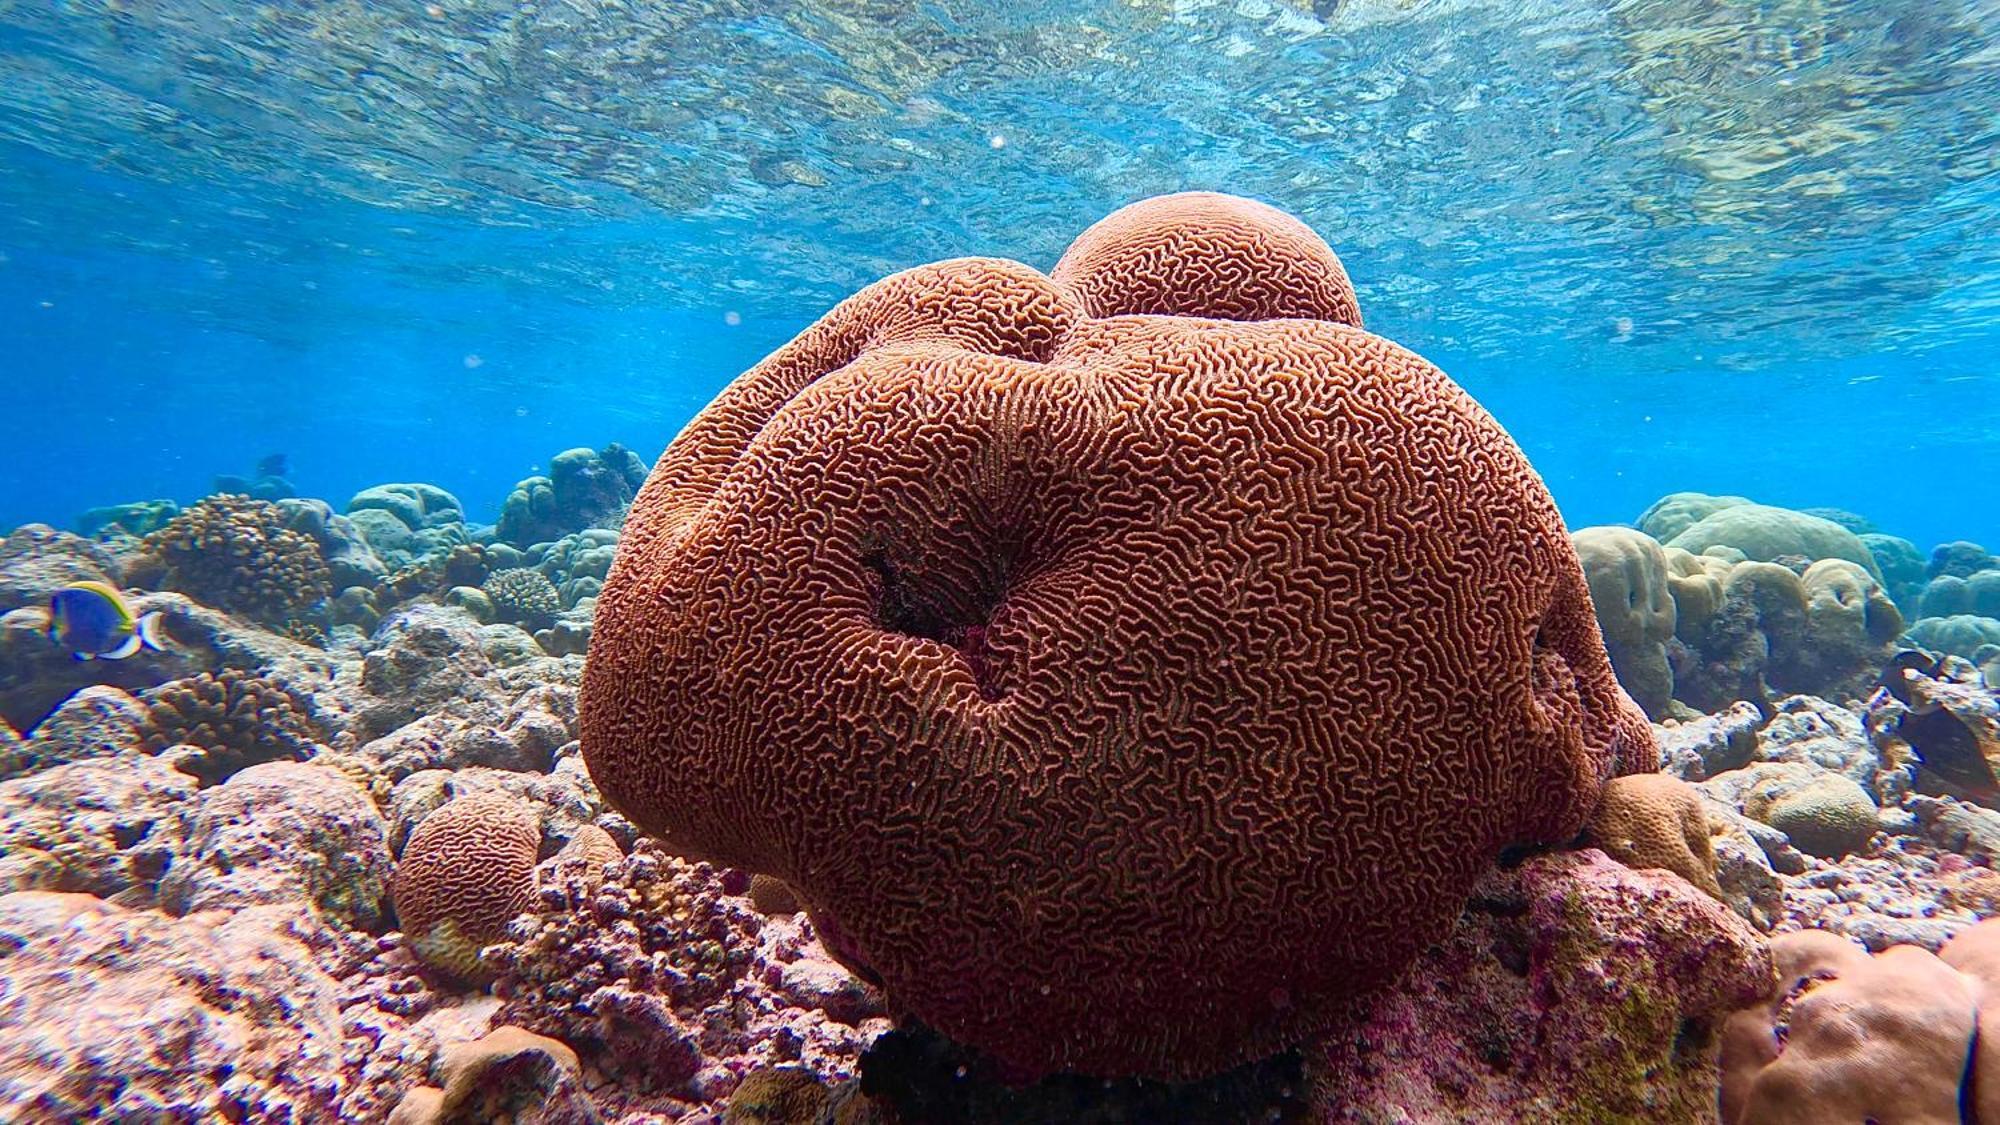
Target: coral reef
[(464, 873), (944, 572), (505, 1075), (224, 721), (239, 555)]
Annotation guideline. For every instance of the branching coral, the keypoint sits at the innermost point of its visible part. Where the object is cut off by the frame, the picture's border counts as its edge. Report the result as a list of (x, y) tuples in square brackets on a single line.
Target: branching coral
[(1122, 612), (232, 719), (240, 555)]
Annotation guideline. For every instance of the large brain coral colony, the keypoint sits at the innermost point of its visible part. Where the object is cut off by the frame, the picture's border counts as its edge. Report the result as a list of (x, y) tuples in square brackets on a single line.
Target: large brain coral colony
[(1127, 666)]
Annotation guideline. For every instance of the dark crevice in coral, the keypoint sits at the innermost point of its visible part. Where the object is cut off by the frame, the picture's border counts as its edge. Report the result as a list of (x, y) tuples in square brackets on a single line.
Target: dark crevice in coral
[(1968, 1084), (956, 619)]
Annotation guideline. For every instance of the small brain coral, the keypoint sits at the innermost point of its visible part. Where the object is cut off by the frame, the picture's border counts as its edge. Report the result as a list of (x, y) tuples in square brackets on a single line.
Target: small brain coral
[(1653, 820), (466, 871), (1184, 650), (239, 555), (232, 719)]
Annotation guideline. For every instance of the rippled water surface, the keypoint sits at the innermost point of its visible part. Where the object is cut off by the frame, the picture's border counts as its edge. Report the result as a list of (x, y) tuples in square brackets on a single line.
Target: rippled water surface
[(1743, 247)]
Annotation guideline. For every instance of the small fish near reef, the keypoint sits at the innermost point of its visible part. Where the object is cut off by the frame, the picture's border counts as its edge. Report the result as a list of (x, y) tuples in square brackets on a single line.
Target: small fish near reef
[(1959, 749), (93, 621)]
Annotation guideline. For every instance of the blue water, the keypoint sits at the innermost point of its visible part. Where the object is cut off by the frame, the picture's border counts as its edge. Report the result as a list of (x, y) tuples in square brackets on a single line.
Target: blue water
[(1672, 245)]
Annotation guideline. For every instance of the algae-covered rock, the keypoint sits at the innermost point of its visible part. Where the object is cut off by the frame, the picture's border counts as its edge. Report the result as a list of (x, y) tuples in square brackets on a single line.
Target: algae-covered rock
[(296, 832), (132, 1015), (1574, 990)]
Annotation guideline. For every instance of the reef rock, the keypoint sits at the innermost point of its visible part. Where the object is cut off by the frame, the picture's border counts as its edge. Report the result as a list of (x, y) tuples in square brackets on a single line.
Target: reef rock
[(424, 660), (130, 1015), (937, 597), (1574, 989), (103, 826), (36, 560), (282, 832)]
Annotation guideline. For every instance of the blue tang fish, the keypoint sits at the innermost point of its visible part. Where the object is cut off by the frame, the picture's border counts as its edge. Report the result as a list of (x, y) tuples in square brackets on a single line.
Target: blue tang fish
[(92, 621)]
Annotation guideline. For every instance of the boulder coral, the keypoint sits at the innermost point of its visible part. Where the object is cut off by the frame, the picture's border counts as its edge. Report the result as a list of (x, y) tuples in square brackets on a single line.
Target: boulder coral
[(585, 488), (1766, 534), (1900, 1036), (465, 872), (1627, 572), (1126, 613)]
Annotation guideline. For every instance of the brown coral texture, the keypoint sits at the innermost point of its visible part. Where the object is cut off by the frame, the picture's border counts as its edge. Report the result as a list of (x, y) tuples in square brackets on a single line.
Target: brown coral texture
[(1125, 666)]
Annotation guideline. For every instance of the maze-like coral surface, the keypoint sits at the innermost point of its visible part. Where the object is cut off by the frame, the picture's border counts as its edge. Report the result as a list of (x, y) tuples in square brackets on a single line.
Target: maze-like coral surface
[(1125, 669)]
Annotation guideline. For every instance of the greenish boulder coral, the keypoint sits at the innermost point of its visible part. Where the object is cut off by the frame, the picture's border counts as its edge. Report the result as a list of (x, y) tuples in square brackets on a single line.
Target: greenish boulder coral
[(405, 523), (578, 563), (585, 488), (1858, 524), (138, 518), (1627, 574), (1823, 814), (1977, 594), (416, 506), (1901, 566), (1961, 634), (1766, 534), (1677, 511)]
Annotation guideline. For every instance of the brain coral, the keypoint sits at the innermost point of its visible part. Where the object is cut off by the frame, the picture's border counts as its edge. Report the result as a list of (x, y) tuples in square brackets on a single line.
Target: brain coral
[(465, 872), (1183, 650)]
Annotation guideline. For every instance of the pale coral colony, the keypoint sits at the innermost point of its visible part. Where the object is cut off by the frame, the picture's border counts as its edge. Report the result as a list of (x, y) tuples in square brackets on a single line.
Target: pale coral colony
[(920, 770)]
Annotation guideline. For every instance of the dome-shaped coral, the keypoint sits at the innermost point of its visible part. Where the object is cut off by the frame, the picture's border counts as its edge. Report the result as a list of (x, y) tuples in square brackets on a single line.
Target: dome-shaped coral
[(233, 719), (1184, 666), (1653, 820), (524, 595), (239, 555), (467, 869), (1627, 572)]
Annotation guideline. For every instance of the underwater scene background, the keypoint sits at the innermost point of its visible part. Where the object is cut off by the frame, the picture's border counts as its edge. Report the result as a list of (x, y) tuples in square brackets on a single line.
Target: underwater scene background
[(1063, 669), (1729, 247)]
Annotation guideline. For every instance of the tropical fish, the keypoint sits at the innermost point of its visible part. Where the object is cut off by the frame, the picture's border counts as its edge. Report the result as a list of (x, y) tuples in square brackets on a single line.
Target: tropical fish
[(1959, 750), (93, 621)]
